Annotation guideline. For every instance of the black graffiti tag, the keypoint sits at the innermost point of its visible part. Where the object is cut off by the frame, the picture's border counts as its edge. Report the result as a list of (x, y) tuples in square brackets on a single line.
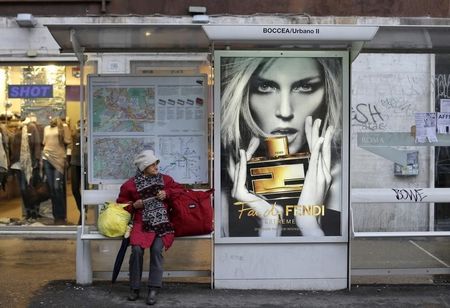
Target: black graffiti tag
[(415, 195), (368, 117), (397, 105)]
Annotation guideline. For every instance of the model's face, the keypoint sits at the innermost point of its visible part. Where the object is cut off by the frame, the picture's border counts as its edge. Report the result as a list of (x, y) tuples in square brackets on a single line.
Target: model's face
[(152, 170), (284, 94)]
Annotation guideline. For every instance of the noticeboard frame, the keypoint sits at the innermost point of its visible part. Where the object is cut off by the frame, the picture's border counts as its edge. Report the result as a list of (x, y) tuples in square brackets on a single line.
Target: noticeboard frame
[(149, 122), (222, 218)]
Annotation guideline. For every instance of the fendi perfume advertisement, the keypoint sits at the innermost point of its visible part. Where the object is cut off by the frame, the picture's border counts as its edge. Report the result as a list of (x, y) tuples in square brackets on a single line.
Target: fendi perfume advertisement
[(280, 144)]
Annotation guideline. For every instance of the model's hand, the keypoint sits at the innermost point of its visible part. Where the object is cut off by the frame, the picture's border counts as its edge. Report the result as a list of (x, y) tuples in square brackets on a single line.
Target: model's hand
[(319, 170), (318, 177), (238, 172), (268, 213)]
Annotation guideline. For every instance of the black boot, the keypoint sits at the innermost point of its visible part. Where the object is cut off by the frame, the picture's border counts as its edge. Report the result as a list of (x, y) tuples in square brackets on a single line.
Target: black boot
[(134, 295), (151, 298)]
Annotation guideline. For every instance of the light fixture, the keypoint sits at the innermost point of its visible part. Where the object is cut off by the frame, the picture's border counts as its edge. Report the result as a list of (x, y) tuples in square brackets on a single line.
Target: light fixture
[(194, 10), (26, 20), (198, 14), (32, 53), (200, 19)]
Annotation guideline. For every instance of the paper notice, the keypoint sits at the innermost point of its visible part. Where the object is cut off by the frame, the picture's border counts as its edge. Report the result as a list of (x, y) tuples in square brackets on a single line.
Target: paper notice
[(443, 122), (425, 127)]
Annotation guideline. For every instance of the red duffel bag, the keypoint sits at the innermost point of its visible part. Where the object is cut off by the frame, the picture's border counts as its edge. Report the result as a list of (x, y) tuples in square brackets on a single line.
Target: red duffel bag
[(191, 212)]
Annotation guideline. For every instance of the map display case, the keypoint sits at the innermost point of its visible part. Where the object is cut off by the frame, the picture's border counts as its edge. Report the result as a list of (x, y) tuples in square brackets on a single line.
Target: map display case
[(167, 114)]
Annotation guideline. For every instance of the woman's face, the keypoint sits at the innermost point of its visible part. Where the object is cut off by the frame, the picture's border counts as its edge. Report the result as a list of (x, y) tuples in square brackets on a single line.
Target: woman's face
[(283, 94), (152, 169)]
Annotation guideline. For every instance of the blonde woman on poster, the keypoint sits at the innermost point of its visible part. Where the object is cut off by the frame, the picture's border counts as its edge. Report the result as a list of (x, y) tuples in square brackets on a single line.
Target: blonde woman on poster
[(268, 97)]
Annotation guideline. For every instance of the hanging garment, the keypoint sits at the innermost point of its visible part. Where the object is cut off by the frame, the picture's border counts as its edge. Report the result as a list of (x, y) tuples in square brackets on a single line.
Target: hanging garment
[(3, 164), (25, 156)]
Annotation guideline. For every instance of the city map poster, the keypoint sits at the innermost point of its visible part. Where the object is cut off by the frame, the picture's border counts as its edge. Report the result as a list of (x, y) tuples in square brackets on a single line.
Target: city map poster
[(179, 155), (131, 113)]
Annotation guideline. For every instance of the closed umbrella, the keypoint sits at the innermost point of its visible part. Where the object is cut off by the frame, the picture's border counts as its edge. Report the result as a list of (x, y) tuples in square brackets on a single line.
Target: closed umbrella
[(121, 254)]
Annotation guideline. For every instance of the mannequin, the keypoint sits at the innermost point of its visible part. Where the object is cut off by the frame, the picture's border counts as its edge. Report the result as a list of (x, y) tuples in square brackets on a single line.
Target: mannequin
[(56, 138), (25, 155)]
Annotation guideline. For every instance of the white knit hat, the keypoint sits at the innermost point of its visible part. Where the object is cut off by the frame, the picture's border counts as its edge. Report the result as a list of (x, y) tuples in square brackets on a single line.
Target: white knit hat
[(145, 159)]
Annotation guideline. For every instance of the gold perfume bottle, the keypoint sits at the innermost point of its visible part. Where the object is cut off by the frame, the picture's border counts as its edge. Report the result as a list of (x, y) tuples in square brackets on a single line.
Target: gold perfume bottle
[(278, 178)]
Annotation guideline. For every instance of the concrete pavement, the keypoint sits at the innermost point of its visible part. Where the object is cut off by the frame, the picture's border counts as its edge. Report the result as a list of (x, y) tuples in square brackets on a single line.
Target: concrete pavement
[(103, 294), (40, 272)]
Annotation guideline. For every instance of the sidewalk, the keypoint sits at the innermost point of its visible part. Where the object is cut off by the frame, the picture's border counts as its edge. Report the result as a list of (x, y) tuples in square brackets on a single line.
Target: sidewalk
[(41, 273), (103, 294)]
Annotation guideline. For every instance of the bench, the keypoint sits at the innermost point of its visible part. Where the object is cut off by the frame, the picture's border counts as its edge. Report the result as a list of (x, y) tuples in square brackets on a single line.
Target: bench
[(85, 234)]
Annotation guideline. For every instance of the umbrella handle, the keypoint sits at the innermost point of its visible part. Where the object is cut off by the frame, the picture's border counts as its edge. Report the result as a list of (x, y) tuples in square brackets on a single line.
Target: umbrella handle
[(128, 231)]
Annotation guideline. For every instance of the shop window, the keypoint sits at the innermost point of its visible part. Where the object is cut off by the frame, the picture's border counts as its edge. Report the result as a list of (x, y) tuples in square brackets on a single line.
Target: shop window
[(35, 101)]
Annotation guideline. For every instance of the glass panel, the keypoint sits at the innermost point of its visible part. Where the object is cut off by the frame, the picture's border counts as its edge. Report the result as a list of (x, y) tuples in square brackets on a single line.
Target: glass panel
[(400, 253), (40, 179), (91, 211), (387, 91), (400, 260), (442, 154)]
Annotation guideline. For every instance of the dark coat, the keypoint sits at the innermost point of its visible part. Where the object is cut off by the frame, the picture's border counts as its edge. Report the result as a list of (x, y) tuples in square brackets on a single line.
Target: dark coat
[(34, 142)]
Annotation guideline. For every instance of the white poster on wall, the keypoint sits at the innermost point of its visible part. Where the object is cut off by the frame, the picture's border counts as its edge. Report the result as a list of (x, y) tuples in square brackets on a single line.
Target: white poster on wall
[(443, 122), (425, 127)]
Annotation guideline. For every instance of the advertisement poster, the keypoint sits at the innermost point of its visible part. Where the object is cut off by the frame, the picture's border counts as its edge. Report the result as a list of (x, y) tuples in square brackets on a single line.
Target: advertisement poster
[(281, 143)]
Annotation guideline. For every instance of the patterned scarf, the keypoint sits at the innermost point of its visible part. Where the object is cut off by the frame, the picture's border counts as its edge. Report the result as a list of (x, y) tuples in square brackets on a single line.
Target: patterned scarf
[(154, 214), (25, 155)]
